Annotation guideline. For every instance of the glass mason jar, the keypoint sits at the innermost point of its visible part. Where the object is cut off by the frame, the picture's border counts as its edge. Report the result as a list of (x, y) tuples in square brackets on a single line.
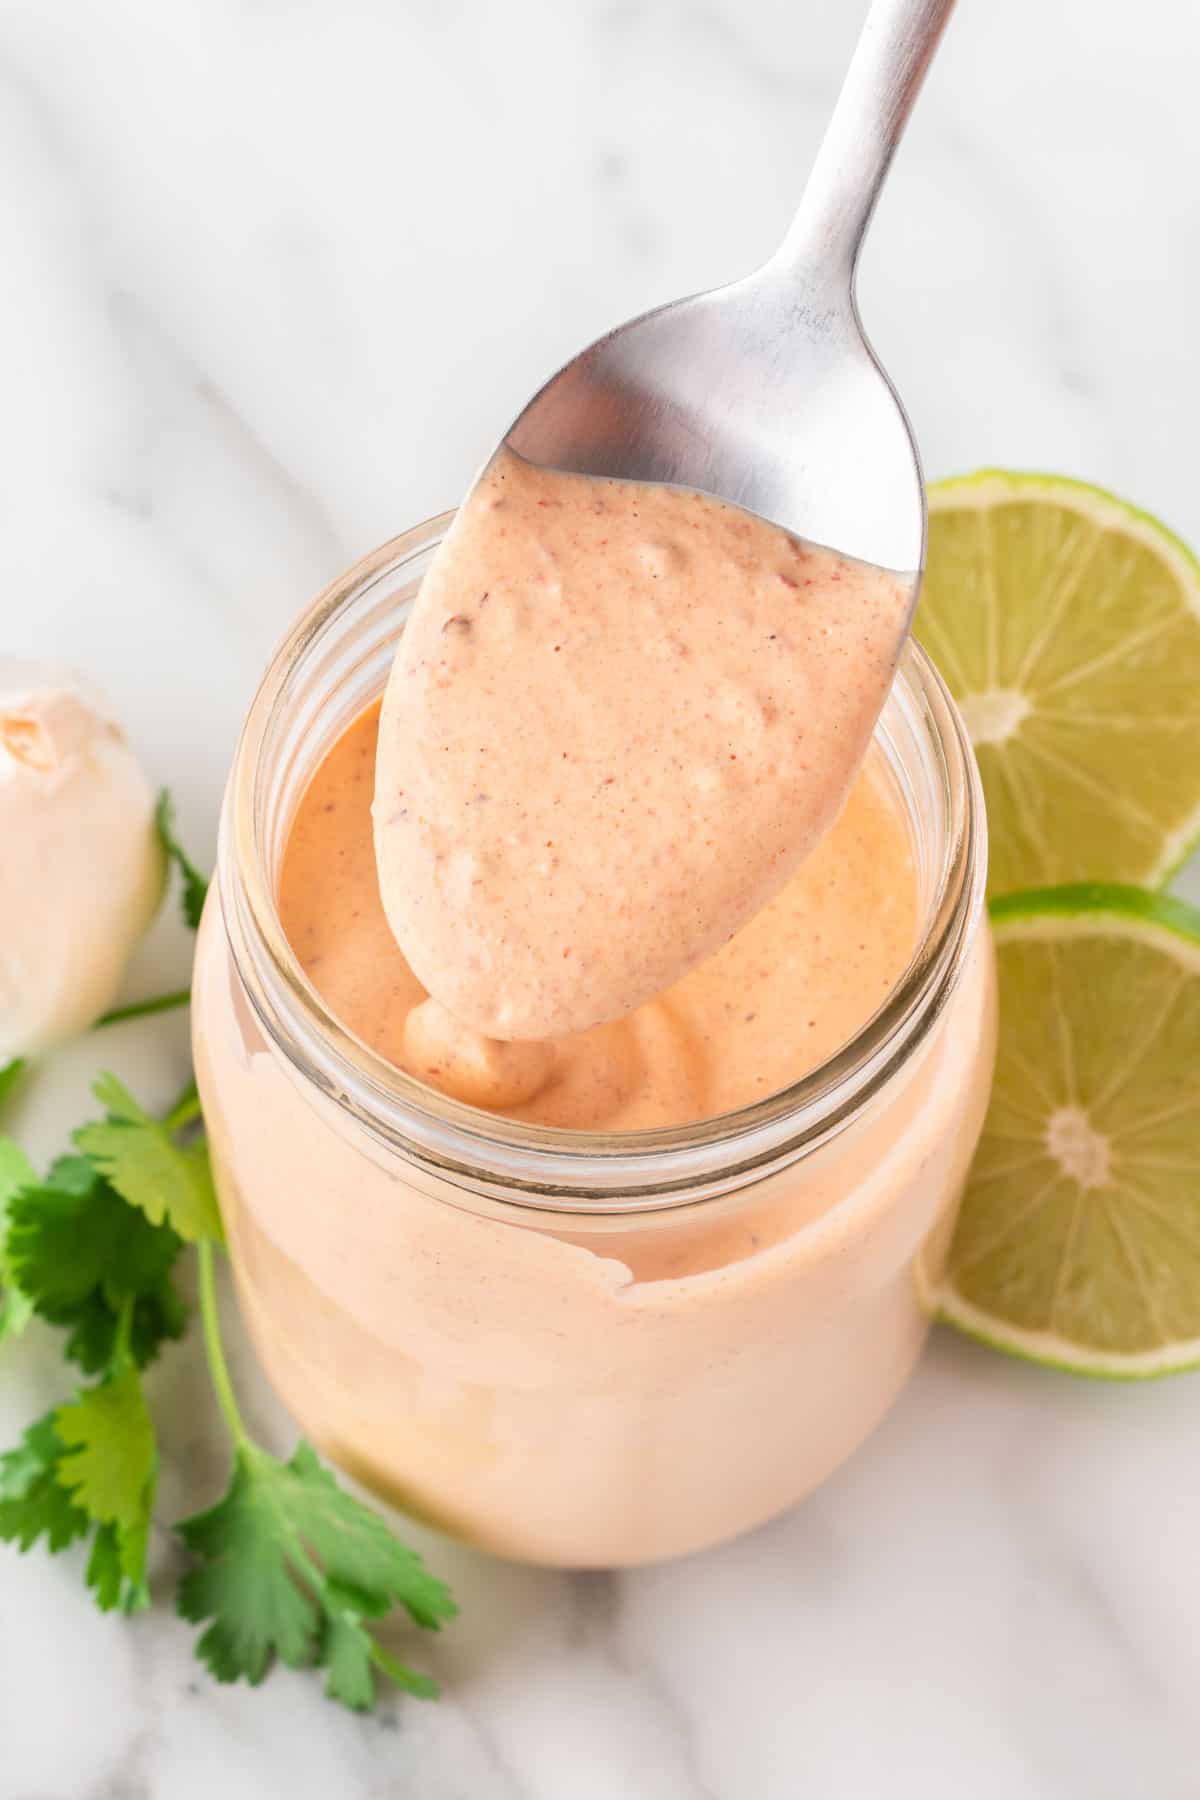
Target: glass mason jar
[(572, 1348)]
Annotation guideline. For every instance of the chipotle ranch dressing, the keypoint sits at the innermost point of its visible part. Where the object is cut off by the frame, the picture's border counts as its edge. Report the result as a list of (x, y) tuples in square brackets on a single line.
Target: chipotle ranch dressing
[(599, 1390), (620, 718)]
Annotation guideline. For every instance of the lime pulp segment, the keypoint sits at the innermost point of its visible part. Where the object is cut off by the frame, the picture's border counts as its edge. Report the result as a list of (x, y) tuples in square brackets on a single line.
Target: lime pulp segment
[(1078, 1243), (1067, 625)]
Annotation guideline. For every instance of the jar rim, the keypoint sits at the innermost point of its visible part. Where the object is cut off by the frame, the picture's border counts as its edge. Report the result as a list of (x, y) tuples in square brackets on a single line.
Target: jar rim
[(550, 1167)]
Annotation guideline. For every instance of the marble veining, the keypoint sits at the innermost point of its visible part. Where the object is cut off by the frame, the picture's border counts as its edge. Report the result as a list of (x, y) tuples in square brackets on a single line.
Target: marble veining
[(275, 275)]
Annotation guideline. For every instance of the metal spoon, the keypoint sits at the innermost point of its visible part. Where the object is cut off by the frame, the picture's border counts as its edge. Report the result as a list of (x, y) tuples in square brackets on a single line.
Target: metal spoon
[(766, 392)]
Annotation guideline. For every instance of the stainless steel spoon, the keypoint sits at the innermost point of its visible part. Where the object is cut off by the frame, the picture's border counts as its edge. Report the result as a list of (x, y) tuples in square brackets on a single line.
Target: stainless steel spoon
[(766, 392)]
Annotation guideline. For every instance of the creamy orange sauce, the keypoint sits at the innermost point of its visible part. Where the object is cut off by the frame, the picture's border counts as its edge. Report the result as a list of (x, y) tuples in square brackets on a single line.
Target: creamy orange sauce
[(795, 983), (620, 718), (630, 827), (622, 786)]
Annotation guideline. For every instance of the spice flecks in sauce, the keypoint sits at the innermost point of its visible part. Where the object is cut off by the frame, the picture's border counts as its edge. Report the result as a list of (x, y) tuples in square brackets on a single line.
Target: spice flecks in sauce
[(620, 718)]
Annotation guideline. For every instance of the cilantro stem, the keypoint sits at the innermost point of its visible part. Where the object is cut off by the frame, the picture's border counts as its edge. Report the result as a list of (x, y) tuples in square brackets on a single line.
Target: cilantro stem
[(10, 1075), (141, 1009), (123, 1333), (185, 1109), (214, 1349)]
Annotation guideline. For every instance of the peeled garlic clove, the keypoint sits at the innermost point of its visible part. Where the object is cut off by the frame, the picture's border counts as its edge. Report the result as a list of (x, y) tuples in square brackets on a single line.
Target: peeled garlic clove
[(81, 868)]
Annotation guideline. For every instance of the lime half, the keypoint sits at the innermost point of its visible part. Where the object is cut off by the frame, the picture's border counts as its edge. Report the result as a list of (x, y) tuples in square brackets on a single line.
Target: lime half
[(1067, 625), (1078, 1243)]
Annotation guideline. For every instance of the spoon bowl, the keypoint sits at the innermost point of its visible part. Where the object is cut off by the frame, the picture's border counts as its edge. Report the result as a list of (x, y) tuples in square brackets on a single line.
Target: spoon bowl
[(766, 392)]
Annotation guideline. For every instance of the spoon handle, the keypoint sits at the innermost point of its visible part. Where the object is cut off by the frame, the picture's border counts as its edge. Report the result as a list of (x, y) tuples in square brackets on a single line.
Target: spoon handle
[(885, 75)]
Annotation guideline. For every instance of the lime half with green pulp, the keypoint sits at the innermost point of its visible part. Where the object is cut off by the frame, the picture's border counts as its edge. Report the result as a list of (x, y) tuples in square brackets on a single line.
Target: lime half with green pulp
[(1067, 625), (1078, 1243)]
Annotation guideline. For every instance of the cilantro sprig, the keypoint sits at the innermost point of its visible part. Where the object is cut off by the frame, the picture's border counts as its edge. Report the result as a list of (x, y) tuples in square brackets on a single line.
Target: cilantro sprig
[(89, 1468), (287, 1565), (291, 1566), (75, 1253)]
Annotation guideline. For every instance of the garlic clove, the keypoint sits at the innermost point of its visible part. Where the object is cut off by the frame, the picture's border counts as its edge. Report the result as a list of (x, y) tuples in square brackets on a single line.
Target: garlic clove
[(81, 869)]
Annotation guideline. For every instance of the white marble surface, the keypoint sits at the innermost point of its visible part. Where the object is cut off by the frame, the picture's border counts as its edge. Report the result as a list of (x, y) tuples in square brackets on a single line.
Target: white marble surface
[(275, 272)]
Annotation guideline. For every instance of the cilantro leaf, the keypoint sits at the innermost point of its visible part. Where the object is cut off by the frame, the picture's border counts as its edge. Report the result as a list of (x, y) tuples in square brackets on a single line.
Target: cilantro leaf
[(10, 1074), (292, 1566), (424, 1687), (116, 1569), (346, 1653), (245, 1585), (159, 1317), (105, 1574), (108, 1454), (350, 1652), (72, 1236), (90, 1465), (16, 1172), (33, 1502), (195, 886), (139, 1156), (77, 1252), (109, 1466)]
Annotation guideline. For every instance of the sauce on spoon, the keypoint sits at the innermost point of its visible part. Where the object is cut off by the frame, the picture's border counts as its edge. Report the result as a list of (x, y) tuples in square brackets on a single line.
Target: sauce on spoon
[(621, 716)]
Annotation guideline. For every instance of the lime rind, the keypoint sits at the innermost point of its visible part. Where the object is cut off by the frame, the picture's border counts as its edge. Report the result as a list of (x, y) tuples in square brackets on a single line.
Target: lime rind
[(1081, 909), (1093, 900), (1049, 1351)]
